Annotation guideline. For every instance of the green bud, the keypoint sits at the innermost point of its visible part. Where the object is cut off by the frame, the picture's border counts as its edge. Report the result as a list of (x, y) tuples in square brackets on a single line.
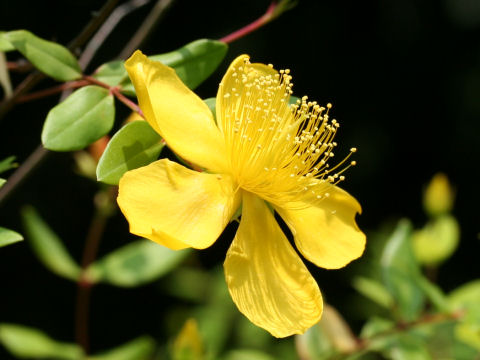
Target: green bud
[(438, 196)]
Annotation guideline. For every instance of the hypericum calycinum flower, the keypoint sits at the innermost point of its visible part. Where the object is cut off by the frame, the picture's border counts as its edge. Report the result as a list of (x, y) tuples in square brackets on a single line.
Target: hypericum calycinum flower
[(260, 150)]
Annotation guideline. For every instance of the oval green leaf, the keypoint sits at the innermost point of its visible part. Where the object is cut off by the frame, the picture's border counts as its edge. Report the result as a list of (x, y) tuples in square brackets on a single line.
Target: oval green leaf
[(401, 272), (29, 343), (193, 63), (138, 349), (50, 58), (7, 236), (135, 264), (48, 247), (84, 117), (133, 146)]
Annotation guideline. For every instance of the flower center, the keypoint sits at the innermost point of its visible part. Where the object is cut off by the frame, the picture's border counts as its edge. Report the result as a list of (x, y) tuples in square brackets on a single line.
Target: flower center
[(277, 150)]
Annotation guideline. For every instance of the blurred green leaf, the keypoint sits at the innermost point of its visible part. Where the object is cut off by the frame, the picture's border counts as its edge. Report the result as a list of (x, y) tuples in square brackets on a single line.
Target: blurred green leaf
[(437, 241), (8, 237), (7, 164), (191, 284), (193, 62), (2, 182), (373, 290), (375, 326), (84, 117), (247, 354), (314, 344), (407, 347), (434, 294), (29, 343), (51, 58), (48, 247), (400, 272), (5, 45), (216, 318), (140, 348), (135, 264), (133, 146)]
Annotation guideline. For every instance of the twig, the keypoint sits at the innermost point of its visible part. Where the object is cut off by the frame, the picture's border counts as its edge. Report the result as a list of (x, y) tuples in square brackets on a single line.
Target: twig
[(273, 11), (118, 14), (146, 28)]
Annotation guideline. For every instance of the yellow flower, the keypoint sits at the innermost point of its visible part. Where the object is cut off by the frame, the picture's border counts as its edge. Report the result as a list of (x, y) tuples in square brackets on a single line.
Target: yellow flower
[(261, 150)]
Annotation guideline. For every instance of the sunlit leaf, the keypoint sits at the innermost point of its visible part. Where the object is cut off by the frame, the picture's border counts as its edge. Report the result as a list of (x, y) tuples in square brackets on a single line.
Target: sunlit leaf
[(51, 58), (2, 182), (7, 236), (193, 62), (373, 290), (48, 247), (437, 241), (84, 117), (247, 354), (400, 272), (133, 146), (5, 45), (138, 349), (466, 299), (135, 264), (7, 164), (111, 73), (29, 343)]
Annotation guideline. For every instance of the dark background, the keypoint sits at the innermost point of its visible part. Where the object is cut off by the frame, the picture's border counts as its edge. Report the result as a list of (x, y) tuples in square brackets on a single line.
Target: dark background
[(404, 79)]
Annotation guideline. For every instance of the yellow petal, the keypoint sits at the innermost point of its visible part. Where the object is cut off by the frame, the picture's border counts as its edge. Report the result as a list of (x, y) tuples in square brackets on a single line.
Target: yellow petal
[(228, 82), (326, 233), (176, 113), (175, 206), (266, 278)]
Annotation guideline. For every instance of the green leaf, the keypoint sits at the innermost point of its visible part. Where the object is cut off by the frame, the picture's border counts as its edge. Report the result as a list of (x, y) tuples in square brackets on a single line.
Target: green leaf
[(29, 343), (465, 299), (407, 347), (401, 272), (193, 62), (374, 291), (138, 349), (7, 164), (48, 247), (84, 117), (133, 146), (2, 182), (51, 58), (212, 105), (111, 73), (135, 264), (5, 45), (8, 237), (247, 354), (5, 82), (434, 294), (375, 326)]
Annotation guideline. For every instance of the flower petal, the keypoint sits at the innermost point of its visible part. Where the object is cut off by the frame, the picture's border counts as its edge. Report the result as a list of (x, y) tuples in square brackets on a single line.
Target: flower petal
[(326, 233), (175, 206), (229, 81), (176, 113), (266, 278)]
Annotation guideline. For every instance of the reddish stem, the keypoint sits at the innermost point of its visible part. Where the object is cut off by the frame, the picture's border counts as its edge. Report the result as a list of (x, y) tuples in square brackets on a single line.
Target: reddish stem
[(265, 18), (51, 91)]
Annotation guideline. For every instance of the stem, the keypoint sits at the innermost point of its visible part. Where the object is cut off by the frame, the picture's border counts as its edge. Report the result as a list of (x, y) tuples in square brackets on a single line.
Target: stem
[(51, 91), (84, 287), (264, 19)]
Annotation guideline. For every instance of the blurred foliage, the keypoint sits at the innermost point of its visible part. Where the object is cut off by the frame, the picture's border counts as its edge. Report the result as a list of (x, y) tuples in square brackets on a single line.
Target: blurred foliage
[(405, 313)]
